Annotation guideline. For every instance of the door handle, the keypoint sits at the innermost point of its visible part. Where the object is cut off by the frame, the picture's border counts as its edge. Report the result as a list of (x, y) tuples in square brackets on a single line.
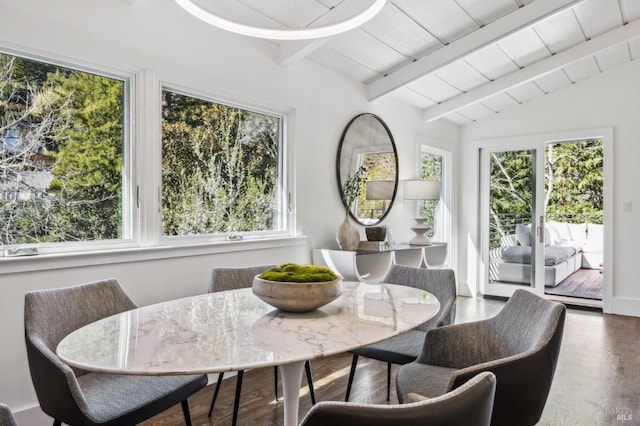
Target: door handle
[(540, 230)]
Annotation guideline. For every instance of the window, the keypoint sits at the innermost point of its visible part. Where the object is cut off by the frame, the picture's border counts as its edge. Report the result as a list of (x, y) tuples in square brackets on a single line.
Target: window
[(62, 143), (434, 164), (68, 179), (221, 168)]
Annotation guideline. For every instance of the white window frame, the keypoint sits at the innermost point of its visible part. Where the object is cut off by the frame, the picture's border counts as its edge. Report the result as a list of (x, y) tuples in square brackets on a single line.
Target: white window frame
[(443, 232), (284, 219), (142, 179), (129, 214)]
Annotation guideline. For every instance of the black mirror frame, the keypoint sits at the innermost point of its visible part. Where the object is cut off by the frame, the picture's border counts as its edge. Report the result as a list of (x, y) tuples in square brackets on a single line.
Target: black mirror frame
[(339, 177)]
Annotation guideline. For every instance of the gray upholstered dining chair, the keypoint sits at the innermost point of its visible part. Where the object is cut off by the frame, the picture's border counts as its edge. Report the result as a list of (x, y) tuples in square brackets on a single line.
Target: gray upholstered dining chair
[(78, 397), (232, 278), (520, 345), (406, 347), (469, 405), (6, 416)]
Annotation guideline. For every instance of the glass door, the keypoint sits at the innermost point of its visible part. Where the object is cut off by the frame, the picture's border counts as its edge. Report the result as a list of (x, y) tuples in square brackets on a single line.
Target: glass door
[(512, 219)]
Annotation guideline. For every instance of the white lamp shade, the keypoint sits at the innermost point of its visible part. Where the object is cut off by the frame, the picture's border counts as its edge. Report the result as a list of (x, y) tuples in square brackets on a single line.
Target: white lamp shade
[(380, 190), (422, 190)]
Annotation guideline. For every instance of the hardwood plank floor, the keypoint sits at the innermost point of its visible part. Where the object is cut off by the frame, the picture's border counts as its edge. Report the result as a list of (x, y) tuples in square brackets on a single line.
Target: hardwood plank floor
[(597, 377), (584, 283)]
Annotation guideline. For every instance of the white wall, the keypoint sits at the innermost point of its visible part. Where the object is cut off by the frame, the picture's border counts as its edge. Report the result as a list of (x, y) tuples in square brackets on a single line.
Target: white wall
[(610, 100), (157, 36)]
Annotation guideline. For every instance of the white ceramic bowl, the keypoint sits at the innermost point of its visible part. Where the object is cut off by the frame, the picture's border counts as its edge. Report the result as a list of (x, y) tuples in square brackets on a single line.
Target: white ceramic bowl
[(296, 297)]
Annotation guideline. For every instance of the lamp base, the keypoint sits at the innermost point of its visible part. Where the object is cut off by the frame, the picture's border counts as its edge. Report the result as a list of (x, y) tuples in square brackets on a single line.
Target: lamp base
[(420, 230)]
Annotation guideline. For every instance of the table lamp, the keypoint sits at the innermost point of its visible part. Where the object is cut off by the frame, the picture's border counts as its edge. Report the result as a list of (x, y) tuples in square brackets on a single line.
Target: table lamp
[(380, 190), (421, 190)]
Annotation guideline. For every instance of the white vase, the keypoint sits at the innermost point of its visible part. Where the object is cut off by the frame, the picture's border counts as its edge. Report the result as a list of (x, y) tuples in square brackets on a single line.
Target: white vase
[(348, 235)]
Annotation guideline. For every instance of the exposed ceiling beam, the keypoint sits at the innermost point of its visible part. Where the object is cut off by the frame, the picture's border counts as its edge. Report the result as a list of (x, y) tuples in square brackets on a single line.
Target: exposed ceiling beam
[(293, 51), (490, 33), (545, 66)]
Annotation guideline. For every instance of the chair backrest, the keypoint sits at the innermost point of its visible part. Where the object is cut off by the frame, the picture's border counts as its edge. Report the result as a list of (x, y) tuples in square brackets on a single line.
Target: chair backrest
[(49, 315), (232, 278), (6, 416), (440, 282), (526, 322), (469, 405), (528, 330)]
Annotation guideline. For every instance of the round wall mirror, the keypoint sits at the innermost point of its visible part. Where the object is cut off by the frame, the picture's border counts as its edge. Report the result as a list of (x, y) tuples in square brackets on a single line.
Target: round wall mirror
[(367, 143)]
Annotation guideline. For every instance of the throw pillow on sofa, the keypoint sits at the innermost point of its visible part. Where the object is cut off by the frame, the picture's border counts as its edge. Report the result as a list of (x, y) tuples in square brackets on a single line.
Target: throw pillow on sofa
[(523, 234)]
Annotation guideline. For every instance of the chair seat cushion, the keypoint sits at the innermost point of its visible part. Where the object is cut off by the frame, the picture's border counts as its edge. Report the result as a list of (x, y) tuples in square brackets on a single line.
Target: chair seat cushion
[(427, 380), (401, 349), (108, 396)]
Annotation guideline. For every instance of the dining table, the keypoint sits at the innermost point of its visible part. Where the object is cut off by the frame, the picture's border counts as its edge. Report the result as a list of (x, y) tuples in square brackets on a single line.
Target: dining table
[(235, 330)]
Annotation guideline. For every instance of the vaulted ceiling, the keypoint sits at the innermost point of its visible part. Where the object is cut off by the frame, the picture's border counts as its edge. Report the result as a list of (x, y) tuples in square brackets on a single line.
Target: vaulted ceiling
[(465, 60)]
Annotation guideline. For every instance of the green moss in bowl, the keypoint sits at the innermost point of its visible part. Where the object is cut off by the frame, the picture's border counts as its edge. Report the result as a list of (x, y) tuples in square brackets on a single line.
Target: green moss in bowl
[(293, 272)]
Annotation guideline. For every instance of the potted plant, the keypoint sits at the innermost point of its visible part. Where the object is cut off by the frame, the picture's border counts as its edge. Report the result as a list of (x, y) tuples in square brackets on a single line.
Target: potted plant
[(297, 288), (348, 235)]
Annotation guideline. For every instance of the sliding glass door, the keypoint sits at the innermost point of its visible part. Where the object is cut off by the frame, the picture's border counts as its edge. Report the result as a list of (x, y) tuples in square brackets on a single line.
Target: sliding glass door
[(512, 219)]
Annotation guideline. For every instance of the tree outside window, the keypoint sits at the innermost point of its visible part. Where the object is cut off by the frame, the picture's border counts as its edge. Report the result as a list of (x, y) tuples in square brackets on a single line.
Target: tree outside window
[(220, 168), (62, 137)]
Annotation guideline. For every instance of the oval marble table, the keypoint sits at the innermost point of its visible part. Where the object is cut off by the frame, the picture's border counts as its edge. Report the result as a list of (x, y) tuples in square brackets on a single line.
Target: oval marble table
[(234, 330)]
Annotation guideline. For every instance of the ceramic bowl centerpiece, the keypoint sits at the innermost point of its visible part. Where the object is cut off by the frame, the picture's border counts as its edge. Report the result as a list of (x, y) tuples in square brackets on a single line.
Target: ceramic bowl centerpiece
[(297, 288)]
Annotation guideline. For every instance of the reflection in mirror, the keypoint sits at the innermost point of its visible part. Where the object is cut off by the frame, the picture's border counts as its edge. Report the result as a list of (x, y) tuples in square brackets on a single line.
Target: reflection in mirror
[(367, 141)]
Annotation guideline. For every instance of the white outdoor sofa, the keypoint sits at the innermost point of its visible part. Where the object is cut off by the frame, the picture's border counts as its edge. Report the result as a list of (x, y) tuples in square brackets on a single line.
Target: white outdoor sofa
[(568, 247)]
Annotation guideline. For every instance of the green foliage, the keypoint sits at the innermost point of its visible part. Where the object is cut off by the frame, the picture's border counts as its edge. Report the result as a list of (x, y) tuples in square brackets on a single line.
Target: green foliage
[(292, 272), (380, 166), (352, 186), (87, 175), (431, 170), (69, 125), (219, 168), (573, 186)]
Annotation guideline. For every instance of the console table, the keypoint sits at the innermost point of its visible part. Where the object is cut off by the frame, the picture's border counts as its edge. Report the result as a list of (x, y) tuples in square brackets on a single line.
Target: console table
[(371, 266)]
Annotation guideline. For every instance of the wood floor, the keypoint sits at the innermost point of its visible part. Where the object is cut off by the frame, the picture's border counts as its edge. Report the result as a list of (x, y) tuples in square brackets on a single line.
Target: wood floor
[(584, 283), (597, 379)]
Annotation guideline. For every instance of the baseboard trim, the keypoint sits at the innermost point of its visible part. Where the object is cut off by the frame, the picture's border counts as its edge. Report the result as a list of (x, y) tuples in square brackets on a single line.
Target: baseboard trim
[(626, 306)]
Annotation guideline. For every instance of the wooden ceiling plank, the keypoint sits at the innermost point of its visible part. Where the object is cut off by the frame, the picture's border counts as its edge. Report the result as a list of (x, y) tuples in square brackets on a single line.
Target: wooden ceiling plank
[(295, 50), (488, 11), (397, 30), (597, 44), (634, 48), (492, 62), (582, 69), (598, 17), (525, 92), (490, 33), (500, 101), (461, 75), (560, 32), (613, 56), (553, 81), (339, 63)]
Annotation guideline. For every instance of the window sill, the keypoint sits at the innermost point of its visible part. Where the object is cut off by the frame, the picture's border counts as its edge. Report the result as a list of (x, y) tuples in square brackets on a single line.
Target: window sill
[(11, 265)]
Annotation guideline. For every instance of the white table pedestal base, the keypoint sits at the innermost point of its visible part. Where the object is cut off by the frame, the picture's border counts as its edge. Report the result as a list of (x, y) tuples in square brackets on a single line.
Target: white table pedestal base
[(291, 378)]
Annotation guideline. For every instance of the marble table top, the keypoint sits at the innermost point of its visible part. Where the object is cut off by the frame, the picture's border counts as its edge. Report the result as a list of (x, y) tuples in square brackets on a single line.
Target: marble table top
[(234, 330)]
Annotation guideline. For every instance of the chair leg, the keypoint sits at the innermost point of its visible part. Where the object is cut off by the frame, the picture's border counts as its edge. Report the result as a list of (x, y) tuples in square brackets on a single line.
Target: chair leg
[(185, 411), (388, 380), (57, 423), (307, 367), (354, 362), (215, 393), (236, 403), (275, 380)]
